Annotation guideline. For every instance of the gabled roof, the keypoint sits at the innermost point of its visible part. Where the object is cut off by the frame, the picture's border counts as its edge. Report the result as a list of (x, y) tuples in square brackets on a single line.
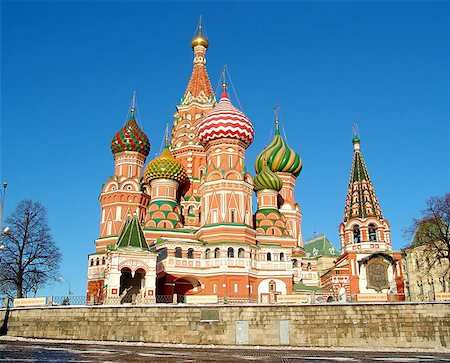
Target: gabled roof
[(131, 235), (320, 246)]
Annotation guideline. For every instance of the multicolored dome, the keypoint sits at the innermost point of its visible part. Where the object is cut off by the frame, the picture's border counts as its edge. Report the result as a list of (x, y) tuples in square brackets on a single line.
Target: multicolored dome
[(279, 157), (130, 138), (267, 179), (165, 166), (225, 121)]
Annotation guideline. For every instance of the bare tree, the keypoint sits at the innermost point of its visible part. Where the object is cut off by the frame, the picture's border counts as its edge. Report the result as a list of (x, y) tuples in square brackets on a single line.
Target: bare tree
[(30, 258), (432, 231)]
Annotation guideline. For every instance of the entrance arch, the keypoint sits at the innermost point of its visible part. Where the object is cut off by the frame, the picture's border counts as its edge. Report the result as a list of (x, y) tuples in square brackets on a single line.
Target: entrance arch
[(131, 284), (185, 285)]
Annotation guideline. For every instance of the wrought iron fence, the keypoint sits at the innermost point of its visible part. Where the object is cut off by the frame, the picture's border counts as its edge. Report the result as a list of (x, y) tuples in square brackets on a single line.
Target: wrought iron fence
[(164, 299), (66, 300)]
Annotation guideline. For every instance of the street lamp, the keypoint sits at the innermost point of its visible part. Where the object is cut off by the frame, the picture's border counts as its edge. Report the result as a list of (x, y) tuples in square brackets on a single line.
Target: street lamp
[(2, 203)]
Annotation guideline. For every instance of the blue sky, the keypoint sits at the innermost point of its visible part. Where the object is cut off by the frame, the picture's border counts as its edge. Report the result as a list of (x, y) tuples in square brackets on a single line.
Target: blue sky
[(68, 70)]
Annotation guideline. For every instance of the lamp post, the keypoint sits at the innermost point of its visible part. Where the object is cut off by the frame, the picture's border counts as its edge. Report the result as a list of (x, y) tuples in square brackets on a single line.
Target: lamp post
[(2, 203)]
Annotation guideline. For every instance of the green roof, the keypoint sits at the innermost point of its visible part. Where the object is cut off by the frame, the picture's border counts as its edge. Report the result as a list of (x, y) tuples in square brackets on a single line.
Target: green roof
[(301, 287), (320, 246), (427, 231), (132, 235)]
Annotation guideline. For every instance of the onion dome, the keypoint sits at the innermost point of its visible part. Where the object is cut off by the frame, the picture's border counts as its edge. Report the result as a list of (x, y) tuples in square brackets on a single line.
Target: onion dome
[(267, 179), (199, 38), (225, 122), (130, 138), (165, 167), (279, 157)]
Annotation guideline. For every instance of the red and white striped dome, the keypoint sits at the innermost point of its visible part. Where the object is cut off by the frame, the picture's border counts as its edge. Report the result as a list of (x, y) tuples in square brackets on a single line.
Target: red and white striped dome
[(225, 122)]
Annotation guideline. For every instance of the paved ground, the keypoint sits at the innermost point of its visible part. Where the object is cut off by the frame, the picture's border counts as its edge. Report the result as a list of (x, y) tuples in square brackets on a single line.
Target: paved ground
[(12, 351)]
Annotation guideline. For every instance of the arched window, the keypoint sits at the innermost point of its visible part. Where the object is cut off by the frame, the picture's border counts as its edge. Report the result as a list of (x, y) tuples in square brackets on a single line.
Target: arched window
[(294, 263), (272, 286), (269, 256), (190, 253), (308, 266), (178, 252), (97, 262), (281, 256), (356, 234), (217, 252), (230, 252), (191, 210), (372, 232), (241, 253), (208, 253), (92, 262), (103, 260)]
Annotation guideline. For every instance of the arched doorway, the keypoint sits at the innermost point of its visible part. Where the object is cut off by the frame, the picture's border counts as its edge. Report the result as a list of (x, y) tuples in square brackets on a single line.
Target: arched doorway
[(186, 286), (131, 284)]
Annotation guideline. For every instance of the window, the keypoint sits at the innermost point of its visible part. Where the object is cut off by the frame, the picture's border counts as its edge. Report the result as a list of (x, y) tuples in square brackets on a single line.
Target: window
[(230, 252), (92, 262), (269, 256), (308, 266), (294, 263), (178, 252), (190, 253), (241, 253), (235, 288), (208, 253), (217, 253), (103, 260), (281, 256), (232, 216), (272, 286), (372, 232), (97, 262), (215, 288), (356, 234)]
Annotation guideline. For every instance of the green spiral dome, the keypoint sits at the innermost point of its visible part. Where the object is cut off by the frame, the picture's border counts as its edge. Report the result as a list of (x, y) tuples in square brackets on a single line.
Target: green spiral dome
[(279, 157), (165, 166), (267, 179)]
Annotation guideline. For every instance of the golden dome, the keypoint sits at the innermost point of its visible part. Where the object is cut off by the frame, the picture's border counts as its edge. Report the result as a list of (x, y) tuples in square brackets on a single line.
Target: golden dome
[(199, 39)]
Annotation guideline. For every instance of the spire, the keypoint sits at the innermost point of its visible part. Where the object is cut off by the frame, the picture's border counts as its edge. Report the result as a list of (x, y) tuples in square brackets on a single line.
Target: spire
[(361, 200), (133, 102), (224, 82), (355, 140), (277, 122), (199, 87), (199, 38)]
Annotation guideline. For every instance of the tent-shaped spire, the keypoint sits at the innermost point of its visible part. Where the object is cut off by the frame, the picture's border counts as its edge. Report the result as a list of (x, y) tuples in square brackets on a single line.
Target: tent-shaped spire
[(132, 235), (199, 87), (361, 200)]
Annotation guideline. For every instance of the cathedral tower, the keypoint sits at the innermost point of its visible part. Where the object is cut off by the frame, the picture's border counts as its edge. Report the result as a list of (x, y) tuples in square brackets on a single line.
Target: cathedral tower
[(198, 99), (226, 193), (363, 227), (368, 269), (287, 165), (123, 194)]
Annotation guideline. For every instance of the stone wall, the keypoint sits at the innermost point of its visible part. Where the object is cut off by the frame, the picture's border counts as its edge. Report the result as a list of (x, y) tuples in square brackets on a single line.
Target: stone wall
[(401, 325)]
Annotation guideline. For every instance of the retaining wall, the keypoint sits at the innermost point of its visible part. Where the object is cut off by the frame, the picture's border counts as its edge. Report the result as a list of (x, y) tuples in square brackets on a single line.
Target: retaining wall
[(400, 325)]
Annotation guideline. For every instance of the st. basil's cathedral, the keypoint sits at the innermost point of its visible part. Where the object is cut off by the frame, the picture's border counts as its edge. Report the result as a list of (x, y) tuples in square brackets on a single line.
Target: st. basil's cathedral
[(184, 225)]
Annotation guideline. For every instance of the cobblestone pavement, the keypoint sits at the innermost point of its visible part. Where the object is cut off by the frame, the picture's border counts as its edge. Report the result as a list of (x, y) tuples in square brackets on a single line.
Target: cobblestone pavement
[(11, 351)]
